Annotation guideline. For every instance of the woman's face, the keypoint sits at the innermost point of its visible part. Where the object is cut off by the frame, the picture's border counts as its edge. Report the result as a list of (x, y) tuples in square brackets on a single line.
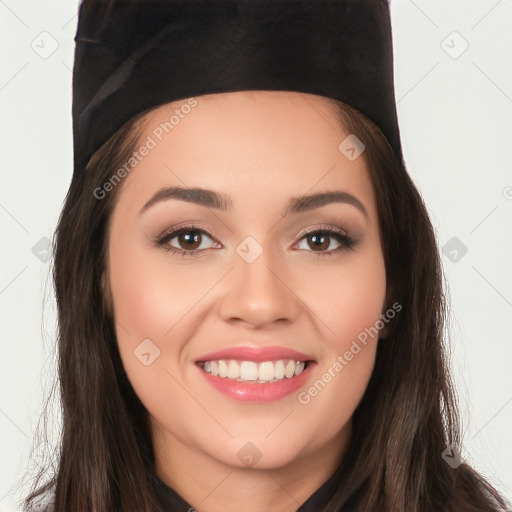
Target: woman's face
[(268, 271)]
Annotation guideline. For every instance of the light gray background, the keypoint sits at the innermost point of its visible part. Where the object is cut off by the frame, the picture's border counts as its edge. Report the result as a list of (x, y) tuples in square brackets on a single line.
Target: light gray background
[(455, 112)]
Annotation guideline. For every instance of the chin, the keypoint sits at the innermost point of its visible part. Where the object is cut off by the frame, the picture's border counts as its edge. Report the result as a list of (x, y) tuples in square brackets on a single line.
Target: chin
[(258, 452)]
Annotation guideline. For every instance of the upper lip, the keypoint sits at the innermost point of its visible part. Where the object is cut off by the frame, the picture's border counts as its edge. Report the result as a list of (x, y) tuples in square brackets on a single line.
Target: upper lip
[(256, 354)]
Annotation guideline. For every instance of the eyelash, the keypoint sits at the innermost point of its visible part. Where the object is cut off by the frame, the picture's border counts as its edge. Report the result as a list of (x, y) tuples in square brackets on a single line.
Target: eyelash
[(347, 242)]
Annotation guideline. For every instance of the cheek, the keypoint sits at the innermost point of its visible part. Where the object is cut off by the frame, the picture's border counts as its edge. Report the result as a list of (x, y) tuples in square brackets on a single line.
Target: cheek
[(146, 306), (148, 301), (142, 302), (358, 301), (151, 289), (347, 299)]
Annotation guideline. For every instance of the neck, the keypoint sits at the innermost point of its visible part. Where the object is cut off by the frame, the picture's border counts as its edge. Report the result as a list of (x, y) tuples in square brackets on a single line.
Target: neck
[(210, 485)]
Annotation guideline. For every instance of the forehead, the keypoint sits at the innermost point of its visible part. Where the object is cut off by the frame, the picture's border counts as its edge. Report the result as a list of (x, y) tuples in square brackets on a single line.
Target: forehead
[(257, 144)]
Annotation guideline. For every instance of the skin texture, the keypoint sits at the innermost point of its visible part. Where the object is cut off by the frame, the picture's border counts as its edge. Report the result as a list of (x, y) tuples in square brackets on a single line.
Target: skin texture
[(260, 149)]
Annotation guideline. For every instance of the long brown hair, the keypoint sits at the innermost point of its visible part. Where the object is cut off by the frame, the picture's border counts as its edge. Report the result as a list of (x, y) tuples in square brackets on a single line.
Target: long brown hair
[(404, 422)]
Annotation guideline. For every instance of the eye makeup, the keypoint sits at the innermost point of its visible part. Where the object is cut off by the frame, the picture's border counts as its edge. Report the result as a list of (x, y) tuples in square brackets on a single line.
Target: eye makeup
[(318, 236)]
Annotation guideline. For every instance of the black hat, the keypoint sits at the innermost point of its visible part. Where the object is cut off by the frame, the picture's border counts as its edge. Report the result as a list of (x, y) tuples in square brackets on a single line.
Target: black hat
[(134, 55)]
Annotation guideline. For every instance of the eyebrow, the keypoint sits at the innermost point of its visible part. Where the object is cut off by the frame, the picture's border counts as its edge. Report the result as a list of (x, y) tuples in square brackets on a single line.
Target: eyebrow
[(212, 199)]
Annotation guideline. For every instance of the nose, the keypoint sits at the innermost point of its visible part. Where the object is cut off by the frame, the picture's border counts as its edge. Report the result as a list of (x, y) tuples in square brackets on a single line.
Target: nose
[(258, 294)]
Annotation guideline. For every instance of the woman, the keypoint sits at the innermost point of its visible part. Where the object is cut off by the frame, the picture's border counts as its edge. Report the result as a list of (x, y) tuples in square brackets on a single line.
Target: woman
[(250, 296)]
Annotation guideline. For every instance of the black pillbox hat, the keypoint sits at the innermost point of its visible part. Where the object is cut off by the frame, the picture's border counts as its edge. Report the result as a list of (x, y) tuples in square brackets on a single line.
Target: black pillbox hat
[(134, 55)]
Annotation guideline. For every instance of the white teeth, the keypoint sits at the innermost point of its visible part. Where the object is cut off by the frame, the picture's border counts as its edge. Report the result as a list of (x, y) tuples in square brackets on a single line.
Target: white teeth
[(266, 371), (279, 369), (233, 370), (289, 370), (248, 370), (223, 369), (300, 368)]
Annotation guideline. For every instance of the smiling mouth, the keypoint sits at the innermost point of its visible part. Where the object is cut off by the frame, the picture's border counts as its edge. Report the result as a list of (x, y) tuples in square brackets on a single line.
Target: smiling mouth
[(254, 372)]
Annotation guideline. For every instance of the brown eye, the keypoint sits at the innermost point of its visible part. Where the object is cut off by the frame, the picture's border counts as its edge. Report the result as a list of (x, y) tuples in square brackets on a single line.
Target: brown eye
[(186, 241), (319, 241), (189, 241)]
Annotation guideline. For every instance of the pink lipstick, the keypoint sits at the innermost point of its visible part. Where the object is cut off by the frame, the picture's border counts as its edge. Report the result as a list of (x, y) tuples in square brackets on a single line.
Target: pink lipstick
[(256, 374)]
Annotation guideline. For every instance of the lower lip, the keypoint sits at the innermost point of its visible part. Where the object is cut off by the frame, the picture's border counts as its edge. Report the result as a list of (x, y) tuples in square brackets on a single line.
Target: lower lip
[(254, 392)]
